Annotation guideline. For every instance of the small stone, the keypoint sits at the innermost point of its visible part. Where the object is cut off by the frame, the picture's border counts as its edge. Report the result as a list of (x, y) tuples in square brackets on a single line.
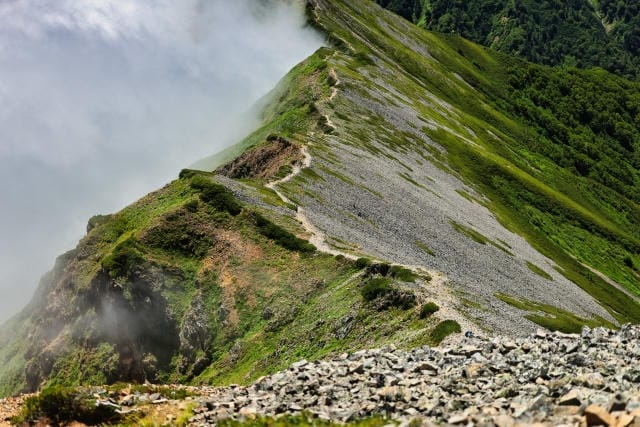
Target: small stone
[(624, 420), (598, 416), (129, 400), (356, 367), (570, 399), (300, 364), (458, 419), (567, 410), (617, 404), (426, 366), (508, 346), (504, 421), (469, 350), (540, 333), (248, 411)]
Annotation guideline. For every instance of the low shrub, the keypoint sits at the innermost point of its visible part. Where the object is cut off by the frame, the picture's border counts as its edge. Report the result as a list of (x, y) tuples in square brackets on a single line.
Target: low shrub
[(629, 262), (192, 206), (398, 298), (443, 330), (188, 173), (96, 221), (363, 263), (402, 273), (61, 405), (282, 236), (123, 259), (428, 309), (381, 269), (216, 195), (376, 288), (179, 232)]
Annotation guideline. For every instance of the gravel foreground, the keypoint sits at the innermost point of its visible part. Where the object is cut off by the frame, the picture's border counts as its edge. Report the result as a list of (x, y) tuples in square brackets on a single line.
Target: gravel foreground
[(545, 379)]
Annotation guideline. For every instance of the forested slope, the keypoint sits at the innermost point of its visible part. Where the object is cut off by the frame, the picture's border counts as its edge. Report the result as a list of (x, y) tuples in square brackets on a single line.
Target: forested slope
[(586, 34)]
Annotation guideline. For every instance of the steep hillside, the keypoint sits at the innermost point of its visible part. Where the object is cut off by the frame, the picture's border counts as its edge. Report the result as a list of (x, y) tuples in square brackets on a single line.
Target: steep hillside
[(505, 192), (552, 32), (622, 20)]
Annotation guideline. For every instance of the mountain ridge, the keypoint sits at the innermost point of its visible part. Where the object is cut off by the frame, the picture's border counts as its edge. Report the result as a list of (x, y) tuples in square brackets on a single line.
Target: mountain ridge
[(415, 158)]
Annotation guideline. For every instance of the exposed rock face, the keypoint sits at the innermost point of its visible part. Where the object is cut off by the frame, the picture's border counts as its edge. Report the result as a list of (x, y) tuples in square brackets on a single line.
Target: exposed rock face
[(264, 161), (553, 378), (195, 337), (136, 322)]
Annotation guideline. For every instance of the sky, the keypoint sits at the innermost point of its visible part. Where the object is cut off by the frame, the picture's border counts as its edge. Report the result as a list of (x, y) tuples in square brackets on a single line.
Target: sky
[(103, 101)]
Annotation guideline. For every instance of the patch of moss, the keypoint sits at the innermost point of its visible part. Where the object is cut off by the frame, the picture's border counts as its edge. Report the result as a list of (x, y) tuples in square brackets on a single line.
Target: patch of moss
[(282, 236), (477, 237), (428, 309), (443, 330), (553, 318), (59, 405), (539, 271)]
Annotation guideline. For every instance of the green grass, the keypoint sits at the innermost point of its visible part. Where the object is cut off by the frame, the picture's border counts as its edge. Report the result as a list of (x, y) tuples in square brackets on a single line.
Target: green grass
[(553, 318), (539, 271), (424, 248), (477, 237), (443, 330), (428, 309), (62, 405), (376, 287), (517, 159)]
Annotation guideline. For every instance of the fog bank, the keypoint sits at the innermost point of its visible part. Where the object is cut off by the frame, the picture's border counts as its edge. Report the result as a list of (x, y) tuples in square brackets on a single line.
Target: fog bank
[(106, 100)]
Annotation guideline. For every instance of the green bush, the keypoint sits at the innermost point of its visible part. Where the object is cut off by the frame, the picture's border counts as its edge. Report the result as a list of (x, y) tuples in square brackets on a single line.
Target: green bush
[(216, 195), (443, 330), (192, 206), (61, 405), (402, 273), (180, 232), (282, 236), (629, 262), (428, 309), (376, 288), (382, 268), (96, 221), (188, 173), (363, 263), (124, 257)]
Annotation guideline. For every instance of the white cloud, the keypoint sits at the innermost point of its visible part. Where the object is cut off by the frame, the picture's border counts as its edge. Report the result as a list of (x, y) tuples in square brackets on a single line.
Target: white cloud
[(105, 100)]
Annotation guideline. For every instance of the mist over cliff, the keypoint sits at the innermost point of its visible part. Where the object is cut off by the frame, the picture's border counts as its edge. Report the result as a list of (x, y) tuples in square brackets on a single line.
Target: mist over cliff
[(104, 101)]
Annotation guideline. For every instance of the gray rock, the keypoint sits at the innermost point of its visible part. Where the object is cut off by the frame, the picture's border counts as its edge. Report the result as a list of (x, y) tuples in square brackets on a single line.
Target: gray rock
[(480, 382)]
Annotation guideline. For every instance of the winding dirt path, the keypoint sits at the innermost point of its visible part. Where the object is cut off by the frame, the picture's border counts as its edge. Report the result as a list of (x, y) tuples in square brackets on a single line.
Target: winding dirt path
[(436, 288)]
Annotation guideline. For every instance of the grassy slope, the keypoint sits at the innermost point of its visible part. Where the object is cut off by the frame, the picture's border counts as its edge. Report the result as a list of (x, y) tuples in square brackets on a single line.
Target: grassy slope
[(265, 305), (572, 219), (553, 32), (282, 305)]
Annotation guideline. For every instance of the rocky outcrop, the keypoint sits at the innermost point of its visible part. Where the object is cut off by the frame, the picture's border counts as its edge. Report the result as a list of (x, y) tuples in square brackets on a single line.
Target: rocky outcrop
[(195, 338), (551, 378), (263, 161)]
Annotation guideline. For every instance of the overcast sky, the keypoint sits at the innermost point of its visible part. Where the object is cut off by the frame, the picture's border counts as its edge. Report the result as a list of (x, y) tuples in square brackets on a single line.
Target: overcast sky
[(103, 101)]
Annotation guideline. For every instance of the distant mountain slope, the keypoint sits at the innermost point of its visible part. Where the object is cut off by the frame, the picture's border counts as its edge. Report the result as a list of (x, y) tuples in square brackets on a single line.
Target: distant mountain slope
[(505, 192), (622, 20), (604, 34)]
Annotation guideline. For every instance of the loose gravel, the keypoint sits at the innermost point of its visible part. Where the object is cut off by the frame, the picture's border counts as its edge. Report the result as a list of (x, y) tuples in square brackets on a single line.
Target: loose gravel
[(546, 378)]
